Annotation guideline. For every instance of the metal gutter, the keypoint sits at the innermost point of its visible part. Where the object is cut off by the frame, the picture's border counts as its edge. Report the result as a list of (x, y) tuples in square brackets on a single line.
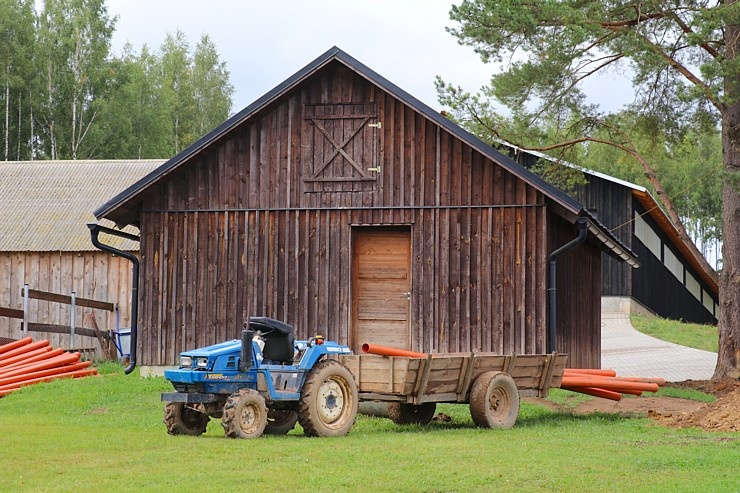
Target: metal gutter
[(95, 230)]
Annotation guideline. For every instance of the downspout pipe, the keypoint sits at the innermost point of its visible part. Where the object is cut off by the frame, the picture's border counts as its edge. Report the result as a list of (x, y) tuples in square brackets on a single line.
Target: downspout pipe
[(95, 230), (552, 332)]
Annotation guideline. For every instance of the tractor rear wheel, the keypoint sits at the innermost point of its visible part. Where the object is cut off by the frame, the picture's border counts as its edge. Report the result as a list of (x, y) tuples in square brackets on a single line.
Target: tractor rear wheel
[(184, 420), (328, 404), (245, 414), (402, 413), (494, 400), (280, 421)]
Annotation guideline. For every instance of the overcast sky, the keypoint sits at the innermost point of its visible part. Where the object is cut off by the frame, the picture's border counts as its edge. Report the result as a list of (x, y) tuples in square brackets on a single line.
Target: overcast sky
[(263, 42)]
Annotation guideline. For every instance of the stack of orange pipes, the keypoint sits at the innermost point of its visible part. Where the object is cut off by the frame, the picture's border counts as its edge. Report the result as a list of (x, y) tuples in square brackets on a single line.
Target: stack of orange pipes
[(606, 383), (25, 362)]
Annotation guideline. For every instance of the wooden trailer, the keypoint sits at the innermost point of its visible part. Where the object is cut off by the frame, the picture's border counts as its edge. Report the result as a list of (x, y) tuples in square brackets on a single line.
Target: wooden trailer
[(490, 383)]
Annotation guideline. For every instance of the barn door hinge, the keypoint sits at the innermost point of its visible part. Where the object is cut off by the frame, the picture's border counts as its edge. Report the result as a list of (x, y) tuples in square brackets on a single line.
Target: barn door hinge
[(375, 125), (376, 169)]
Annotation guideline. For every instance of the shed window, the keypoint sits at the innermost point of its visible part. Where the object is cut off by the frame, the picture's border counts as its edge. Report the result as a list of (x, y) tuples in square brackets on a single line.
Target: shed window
[(673, 263), (340, 147), (708, 301), (693, 286), (647, 236)]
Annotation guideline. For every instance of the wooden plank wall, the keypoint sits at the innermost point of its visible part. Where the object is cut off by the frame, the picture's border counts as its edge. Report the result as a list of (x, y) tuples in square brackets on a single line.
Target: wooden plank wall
[(236, 232), (578, 298), (210, 271), (94, 275)]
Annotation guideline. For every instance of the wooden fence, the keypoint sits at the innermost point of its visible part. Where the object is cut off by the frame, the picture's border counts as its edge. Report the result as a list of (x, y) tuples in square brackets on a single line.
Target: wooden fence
[(92, 342)]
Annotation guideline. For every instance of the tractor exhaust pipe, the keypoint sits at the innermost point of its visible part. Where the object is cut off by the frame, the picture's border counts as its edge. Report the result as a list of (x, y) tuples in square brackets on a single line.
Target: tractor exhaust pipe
[(245, 361), (95, 230)]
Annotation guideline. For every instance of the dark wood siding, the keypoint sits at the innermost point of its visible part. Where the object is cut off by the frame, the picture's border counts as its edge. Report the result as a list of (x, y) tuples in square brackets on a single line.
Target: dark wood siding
[(479, 287), (239, 231), (578, 299), (611, 204)]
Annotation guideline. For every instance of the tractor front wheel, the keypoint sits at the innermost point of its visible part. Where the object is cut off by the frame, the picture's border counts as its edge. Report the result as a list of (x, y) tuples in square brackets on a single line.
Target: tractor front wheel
[(245, 414), (184, 420), (328, 404), (494, 400)]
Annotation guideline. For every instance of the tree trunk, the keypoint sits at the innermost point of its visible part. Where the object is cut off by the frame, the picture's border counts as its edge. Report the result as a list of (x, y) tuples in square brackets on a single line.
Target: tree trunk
[(33, 128), (20, 120), (7, 118), (728, 360)]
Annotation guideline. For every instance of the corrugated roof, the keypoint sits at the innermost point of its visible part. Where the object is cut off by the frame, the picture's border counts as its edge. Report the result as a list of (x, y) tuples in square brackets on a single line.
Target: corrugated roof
[(45, 205)]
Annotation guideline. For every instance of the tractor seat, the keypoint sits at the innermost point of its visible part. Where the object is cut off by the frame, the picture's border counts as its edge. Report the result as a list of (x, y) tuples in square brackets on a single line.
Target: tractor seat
[(278, 337)]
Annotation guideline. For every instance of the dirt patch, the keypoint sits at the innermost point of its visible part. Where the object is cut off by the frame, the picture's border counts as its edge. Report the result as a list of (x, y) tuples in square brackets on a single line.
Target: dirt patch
[(642, 406), (722, 415)]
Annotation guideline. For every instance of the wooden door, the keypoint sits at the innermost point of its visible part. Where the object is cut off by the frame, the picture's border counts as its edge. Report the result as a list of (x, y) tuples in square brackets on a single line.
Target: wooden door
[(381, 287)]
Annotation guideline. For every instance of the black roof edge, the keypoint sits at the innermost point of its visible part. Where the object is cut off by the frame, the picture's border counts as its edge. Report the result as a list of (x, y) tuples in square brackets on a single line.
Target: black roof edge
[(334, 53)]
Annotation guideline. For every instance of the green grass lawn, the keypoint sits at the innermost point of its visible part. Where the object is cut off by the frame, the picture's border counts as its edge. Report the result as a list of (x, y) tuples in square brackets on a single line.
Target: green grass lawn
[(106, 434), (692, 335)]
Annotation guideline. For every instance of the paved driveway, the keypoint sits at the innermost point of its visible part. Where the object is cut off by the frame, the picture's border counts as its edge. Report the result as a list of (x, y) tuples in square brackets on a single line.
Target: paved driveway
[(632, 353)]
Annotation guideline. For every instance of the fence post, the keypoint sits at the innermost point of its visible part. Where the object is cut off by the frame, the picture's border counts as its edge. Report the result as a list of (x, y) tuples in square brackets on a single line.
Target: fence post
[(25, 310), (72, 323)]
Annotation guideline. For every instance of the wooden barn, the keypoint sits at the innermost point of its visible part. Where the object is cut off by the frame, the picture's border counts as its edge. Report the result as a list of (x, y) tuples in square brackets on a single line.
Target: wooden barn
[(671, 283), (44, 243), (344, 206)]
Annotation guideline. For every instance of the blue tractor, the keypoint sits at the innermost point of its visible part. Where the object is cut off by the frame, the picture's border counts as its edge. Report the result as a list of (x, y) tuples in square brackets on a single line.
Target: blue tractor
[(263, 383)]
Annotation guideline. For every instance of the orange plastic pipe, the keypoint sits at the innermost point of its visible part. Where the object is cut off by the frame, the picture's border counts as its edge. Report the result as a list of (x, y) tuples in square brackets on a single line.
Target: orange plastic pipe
[(24, 349), (15, 344), (608, 383), (604, 393), (591, 371), (47, 355), (64, 359), (72, 374), (657, 380), (390, 351), (23, 357), (44, 373)]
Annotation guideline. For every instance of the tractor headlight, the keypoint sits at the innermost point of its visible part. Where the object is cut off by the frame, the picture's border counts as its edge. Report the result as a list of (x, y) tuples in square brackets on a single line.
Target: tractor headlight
[(201, 362), (186, 361)]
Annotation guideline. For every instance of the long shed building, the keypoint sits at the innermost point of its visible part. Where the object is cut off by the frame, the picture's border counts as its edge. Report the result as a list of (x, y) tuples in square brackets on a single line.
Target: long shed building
[(671, 282), (44, 244), (339, 203)]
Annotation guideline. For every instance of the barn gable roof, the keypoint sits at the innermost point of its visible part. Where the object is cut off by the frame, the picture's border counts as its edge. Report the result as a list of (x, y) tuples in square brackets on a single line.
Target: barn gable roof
[(46, 204), (123, 207)]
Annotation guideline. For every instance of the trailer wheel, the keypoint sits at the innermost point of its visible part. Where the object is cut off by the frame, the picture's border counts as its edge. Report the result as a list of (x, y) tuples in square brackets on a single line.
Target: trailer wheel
[(402, 413), (494, 400), (184, 420), (245, 414), (328, 404), (280, 421)]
